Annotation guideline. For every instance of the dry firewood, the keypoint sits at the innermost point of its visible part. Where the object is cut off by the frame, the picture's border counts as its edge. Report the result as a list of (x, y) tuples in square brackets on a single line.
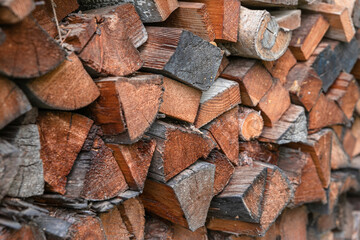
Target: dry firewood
[(259, 36), (339, 130), (291, 127), (29, 180), (95, 174), (355, 129), (305, 39), (224, 63), (28, 232), (346, 52), (269, 3), (185, 199), (223, 170), (356, 69), (251, 124), (157, 228), (345, 92), (252, 77), (148, 10), (356, 14), (77, 88), (288, 19), (339, 158), (349, 142), (181, 55), (281, 67), (293, 223), (222, 96), (113, 225), (127, 106), (274, 104), (224, 16), (13, 11), (14, 102), (193, 17), (133, 214), (180, 101), (304, 86), (134, 161), (62, 135), (181, 233), (225, 131), (29, 49), (169, 159), (341, 25), (254, 150)]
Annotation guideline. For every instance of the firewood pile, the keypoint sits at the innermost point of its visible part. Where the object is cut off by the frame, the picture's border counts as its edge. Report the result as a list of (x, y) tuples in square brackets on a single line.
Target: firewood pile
[(183, 120)]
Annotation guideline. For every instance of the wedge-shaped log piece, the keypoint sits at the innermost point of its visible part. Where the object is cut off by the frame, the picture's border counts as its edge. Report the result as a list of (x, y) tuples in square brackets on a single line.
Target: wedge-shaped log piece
[(270, 3), (13, 11), (113, 225), (193, 17), (14, 102), (133, 213), (134, 161), (29, 180), (225, 130), (251, 124), (339, 158), (77, 88), (221, 97), (346, 52), (95, 174), (293, 223), (180, 101), (288, 19), (259, 36), (304, 86), (355, 129), (341, 25), (257, 151), (169, 159), (291, 127), (274, 104), (148, 10), (185, 199), (127, 106), (30, 51), (252, 77), (62, 135), (305, 39), (181, 55), (349, 142)]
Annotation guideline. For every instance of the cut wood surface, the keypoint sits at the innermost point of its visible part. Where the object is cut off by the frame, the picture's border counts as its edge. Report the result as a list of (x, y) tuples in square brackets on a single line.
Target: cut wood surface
[(349, 142), (13, 11), (251, 124), (77, 88), (133, 213), (293, 223), (288, 19), (339, 158), (181, 55), (259, 36), (270, 3), (113, 225), (355, 129), (169, 159), (222, 96), (256, 151), (185, 199)]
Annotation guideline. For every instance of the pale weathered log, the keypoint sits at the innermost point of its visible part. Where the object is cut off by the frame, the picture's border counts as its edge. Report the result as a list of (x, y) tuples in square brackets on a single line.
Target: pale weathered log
[(251, 124), (270, 3)]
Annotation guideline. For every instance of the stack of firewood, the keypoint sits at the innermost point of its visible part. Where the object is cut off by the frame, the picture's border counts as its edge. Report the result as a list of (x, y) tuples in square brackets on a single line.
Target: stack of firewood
[(166, 119)]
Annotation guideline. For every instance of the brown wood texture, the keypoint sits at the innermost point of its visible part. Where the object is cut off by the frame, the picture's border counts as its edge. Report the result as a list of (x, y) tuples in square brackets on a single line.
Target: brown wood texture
[(339, 158), (113, 225), (355, 129), (270, 3), (349, 142), (256, 151), (13, 11), (289, 19), (251, 124), (133, 214)]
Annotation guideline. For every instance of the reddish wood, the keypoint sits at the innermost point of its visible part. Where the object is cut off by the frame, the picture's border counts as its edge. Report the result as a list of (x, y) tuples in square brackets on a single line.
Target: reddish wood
[(254, 150), (339, 158), (292, 223), (27, 232), (133, 214), (355, 130), (13, 11), (251, 124), (113, 225), (349, 143), (87, 227)]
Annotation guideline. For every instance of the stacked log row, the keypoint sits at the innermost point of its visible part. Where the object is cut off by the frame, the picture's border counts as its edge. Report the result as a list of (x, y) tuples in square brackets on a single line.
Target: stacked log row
[(194, 119)]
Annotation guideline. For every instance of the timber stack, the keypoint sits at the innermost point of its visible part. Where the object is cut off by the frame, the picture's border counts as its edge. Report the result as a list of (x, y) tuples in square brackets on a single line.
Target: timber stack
[(167, 119)]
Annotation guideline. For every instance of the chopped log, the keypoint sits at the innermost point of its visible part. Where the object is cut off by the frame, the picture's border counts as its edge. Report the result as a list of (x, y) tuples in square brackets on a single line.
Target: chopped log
[(169, 159), (288, 19), (304, 86), (341, 25), (224, 63), (224, 16), (355, 129), (223, 170), (95, 174), (133, 214), (339, 158), (259, 36), (185, 199), (29, 49), (180, 101), (14, 102), (339, 131), (222, 96), (157, 228), (127, 106), (269, 3), (149, 11), (325, 113), (251, 124), (281, 67), (13, 11), (252, 77), (193, 17), (77, 88), (274, 104), (225, 130), (29, 180), (113, 225), (305, 39), (134, 161), (181, 55), (62, 135), (346, 52), (87, 227), (345, 92), (293, 223), (349, 142), (181, 233), (263, 152), (291, 127), (356, 69)]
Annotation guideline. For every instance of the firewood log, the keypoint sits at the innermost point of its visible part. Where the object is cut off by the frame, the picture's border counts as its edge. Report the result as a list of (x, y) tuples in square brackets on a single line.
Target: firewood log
[(288, 19), (293, 223), (113, 225), (259, 36), (185, 199), (256, 151), (156, 227), (356, 14), (169, 159), (269, 3), (251, 124), (133, 213), (346, 52), (181, 55), (355, 129), (349, 142), (13, 11), (31, 48), (339, 158)]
